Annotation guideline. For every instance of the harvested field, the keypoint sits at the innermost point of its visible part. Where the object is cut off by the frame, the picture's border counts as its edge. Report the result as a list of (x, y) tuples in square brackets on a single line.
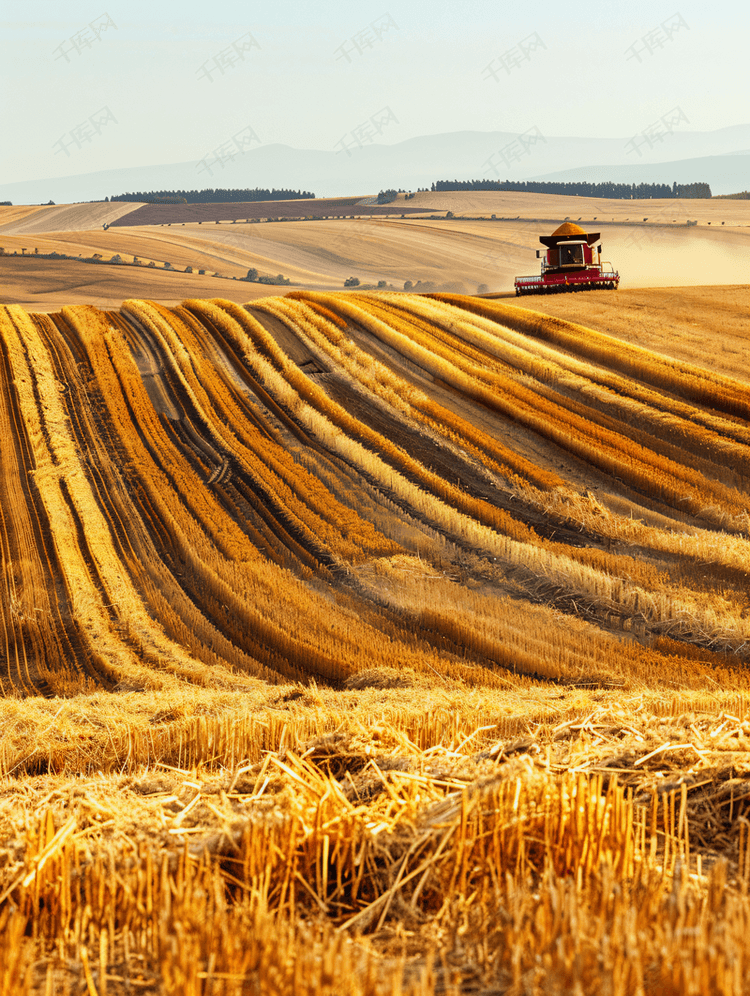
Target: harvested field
[(709, 326), (33, 220), (648, 242), (320, 207), (371, 643), (43, 284), (518, 205)]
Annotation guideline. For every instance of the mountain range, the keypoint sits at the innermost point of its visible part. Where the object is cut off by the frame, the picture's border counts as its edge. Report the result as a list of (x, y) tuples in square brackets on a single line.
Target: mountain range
[(720, 158)]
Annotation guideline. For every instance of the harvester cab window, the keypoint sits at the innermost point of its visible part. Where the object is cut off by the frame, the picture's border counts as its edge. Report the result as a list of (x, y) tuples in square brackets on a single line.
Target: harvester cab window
[(571, 254)]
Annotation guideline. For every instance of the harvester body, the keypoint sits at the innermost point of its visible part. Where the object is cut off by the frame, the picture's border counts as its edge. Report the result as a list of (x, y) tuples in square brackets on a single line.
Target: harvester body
[(571, 260)]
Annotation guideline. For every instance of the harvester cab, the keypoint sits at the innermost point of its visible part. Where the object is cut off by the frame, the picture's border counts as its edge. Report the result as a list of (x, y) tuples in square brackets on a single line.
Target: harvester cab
[(572, 260)]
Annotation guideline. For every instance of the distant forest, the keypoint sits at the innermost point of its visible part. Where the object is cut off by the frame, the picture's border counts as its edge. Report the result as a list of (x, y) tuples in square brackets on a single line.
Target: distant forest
[(211, 196), (619, 191)]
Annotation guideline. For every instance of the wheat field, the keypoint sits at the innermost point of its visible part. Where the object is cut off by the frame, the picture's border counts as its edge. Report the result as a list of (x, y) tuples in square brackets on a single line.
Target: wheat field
[(489, 240), (370, 644)]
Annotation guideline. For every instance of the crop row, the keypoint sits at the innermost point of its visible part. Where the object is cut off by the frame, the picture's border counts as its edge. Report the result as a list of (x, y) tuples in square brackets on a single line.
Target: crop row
[(265, 609), (262, 352), (695, 384), (664, 603), (192, 567), (593, 571), (654, 418), (556, 497), (94, 579), (410, 401), (610, 451), (614, 448), (310, 510), (411, 404), (182, 500)]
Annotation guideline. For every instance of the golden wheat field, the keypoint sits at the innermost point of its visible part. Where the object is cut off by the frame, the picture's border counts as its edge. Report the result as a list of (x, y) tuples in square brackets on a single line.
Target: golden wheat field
[(367, 644), (489, 239)]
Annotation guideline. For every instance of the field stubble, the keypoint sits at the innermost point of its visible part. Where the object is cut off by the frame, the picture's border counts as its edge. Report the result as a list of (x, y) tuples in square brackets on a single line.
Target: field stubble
[(347, 692)]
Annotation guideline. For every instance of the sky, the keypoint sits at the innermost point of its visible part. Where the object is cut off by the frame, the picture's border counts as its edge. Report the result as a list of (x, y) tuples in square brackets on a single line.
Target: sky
[(99, 85)]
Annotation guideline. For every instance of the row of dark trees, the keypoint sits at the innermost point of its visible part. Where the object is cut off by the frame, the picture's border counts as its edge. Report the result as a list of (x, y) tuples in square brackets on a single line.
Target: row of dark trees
[(619, 191), (213, 196), (255, 278), (10, 203)]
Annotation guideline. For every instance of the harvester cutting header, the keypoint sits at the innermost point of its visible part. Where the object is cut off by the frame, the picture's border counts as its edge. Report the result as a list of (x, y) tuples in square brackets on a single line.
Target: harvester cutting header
[(572, 261)]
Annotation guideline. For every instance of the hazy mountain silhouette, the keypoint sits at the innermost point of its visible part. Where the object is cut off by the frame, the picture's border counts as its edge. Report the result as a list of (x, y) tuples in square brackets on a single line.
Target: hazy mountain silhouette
[(719, 157)]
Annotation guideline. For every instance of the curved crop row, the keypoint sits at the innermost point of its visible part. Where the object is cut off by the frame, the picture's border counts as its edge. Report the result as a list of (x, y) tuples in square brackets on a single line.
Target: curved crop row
[(583, 574), (654, 415), (181, 500), (271, 614), (314, 512), (610, 452), (556, 497), (409, 400), (695, 384), (273, 366)]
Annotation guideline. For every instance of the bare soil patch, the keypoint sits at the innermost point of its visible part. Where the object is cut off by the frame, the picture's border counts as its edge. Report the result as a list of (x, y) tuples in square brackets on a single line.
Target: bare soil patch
[(324, 207)]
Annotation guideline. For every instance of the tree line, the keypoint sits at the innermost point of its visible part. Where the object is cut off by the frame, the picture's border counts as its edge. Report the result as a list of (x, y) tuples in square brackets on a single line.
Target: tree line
[(213, 196), (618, 191)]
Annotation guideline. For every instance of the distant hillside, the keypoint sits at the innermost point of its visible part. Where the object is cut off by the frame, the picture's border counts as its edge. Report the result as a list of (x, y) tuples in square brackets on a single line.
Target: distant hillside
[(706, 156), (182, 214), (61, 217), (213, 195), (725, 173)]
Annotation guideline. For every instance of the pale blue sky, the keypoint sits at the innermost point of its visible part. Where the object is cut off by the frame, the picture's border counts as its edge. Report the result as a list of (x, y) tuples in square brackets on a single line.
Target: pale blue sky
[(559, 67)]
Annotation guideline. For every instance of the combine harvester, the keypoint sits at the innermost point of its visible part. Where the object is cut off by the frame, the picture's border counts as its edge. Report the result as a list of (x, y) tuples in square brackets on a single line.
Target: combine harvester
[(572, 261)]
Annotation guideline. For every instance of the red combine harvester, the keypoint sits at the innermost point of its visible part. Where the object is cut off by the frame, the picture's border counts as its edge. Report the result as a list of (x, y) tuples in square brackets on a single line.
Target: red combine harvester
[(573, 261)]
